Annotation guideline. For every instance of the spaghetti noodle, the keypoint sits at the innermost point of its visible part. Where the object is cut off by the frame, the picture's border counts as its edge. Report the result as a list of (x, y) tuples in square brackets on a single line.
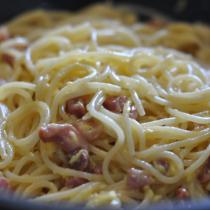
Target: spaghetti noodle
[(100, 109)]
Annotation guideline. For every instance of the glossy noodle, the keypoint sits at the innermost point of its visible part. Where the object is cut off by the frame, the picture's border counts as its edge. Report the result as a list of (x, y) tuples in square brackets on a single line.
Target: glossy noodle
[(100, 109)]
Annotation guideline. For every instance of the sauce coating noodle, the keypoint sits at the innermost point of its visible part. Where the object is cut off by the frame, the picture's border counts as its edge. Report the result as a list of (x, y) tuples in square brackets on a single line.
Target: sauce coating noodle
[(100, 109)]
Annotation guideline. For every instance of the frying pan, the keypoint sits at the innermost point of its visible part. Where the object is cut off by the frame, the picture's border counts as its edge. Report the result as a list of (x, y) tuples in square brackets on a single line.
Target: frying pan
[(184, 10)]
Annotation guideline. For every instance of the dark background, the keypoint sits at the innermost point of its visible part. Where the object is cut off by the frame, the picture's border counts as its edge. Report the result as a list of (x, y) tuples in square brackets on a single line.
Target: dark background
[(193, 10)]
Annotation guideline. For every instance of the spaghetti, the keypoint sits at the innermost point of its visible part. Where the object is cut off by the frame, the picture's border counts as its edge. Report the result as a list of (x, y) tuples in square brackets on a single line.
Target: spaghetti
[(100, 109)]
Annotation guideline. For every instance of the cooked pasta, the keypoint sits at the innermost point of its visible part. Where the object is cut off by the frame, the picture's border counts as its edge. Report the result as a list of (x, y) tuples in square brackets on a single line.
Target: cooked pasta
[(97, 108)]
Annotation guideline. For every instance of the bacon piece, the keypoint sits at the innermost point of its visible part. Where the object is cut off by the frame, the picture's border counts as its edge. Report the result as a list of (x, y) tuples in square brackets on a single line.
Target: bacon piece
[(75, 182), (204, 175), (138, 179), (76, 106), (91, 130), (4, 184), (80, 160), (182, 193), (65, 135), (7, 58), (4, 34), (116, 104)]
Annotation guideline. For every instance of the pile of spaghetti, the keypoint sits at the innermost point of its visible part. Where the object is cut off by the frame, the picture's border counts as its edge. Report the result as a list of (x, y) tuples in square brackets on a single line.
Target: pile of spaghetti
[(100, 109)]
